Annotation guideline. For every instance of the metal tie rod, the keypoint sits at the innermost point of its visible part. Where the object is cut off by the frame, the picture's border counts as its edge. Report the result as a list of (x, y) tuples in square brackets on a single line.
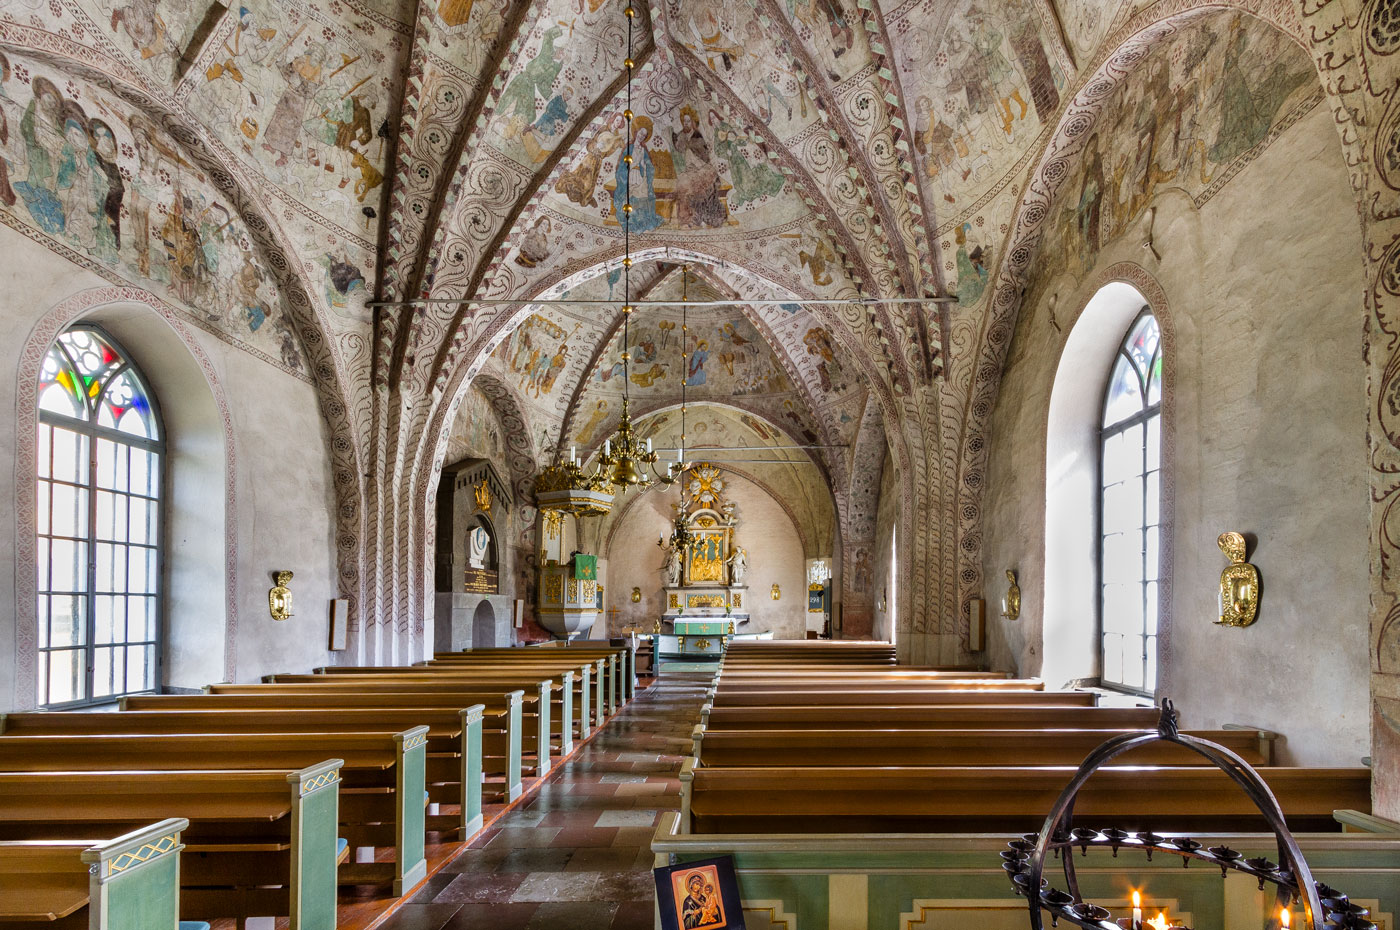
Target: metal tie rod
[(580, 302)]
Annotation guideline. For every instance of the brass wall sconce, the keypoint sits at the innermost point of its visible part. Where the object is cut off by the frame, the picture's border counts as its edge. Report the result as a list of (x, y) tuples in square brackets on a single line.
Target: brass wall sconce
[(777, 592), (1239, 583), (1011, 603), (279, 598), (636, 595)]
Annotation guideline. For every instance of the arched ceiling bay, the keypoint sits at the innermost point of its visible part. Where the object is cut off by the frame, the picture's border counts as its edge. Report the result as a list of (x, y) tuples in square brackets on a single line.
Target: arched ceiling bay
[(742, 443), (775, 362)]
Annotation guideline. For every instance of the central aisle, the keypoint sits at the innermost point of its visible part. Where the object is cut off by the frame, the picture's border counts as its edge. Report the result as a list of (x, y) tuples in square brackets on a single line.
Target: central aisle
[(577, 854)]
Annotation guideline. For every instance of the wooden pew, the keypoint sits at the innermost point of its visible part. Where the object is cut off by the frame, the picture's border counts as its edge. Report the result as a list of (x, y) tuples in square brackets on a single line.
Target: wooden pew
[(927, 747), (258, 843), (982, 715), (128, 883), (538, 703), (907, 696), (1011, 799), (382, 779), (589, 695), (608, 669), (627, 657), (866, 683), (455, 747)]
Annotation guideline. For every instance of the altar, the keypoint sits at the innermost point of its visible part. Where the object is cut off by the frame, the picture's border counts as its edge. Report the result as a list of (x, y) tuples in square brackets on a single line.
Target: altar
[(704, 596)]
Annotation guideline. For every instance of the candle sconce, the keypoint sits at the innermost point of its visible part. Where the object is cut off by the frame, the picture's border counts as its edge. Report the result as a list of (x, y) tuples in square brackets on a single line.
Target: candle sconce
[(1239, 583), (636, 595), (777, 592), (1011, 603), (279, 598)]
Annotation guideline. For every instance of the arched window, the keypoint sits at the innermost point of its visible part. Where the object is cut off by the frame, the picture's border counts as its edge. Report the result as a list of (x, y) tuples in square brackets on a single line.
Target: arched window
[(99, 523), (1130, 513)]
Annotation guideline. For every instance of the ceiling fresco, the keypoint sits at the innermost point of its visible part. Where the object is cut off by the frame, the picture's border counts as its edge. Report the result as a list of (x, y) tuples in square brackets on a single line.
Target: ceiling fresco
[(1208, 102), (467, 151)]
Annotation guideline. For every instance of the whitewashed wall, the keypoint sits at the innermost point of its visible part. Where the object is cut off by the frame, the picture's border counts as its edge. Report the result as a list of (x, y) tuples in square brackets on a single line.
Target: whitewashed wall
[(1263, 293), (273, 445), (766, 531)]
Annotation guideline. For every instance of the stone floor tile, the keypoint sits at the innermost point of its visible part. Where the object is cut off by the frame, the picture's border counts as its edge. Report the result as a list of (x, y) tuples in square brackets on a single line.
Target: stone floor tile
[(496, 916), (634, 915), (559, 886), (420, 917), (480, 887), (535, 860), (573, 915), (626, 818), (602, 859)]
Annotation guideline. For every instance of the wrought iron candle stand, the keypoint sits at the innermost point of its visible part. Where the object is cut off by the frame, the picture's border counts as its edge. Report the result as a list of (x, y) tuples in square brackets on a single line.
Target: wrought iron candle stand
[(1024, 860)]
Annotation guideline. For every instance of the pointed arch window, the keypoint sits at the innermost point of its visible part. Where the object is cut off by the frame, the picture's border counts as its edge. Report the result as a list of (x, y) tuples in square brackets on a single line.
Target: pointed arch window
[(1130, 466), (100, 464)]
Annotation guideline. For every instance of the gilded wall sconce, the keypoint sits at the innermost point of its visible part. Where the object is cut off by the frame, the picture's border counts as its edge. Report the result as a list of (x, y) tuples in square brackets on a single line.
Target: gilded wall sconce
[(279, 598), (1011, 603), (1239, 583), (777, 592), (636, 595)]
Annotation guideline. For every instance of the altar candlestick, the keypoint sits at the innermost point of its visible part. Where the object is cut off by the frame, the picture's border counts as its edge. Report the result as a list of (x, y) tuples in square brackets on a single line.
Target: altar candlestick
[(648, 444), (1137, 911), (1285, 918)]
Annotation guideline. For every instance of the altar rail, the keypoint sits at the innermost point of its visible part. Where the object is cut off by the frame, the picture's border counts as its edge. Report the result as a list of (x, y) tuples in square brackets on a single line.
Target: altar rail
[(904, 881)]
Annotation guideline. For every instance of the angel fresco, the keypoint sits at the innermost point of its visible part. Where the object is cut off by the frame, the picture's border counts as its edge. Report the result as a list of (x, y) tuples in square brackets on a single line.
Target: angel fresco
[(750, 181), (580, 183), (535, 80)]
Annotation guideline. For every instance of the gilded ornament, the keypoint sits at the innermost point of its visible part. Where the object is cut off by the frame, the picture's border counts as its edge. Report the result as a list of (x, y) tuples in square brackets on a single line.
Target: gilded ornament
[(482, 493), (777, 592), (1011, 603), (554, 589), (675, 601), (637, 595), (1239, 583), (279, 598)]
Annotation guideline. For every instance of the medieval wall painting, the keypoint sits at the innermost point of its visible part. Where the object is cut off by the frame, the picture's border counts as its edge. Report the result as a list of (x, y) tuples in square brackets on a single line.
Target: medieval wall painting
[(993, 87), (1194, 113), (96, 181), (536, 354)]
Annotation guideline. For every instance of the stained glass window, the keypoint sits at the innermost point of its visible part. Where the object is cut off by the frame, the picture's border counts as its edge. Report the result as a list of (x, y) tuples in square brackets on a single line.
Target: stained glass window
[(1130, 514), (99, 479)]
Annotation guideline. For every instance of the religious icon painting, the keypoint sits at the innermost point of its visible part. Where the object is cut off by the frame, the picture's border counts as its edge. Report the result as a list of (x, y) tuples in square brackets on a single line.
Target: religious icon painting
[(701, 895)]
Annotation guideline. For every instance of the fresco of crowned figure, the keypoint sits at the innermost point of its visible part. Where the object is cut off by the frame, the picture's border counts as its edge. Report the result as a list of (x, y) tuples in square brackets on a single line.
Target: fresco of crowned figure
[(750, 181), (644, 216)]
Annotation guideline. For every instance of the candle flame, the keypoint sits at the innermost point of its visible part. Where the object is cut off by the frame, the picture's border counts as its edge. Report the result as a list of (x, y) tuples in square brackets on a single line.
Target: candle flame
[(1284, 918), (1160, 921), (1137, 899)]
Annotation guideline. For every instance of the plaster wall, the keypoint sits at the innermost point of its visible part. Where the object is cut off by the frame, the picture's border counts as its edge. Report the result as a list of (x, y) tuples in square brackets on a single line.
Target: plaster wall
[(1265, 434), (765, 530), (281, 482), (886, 517)]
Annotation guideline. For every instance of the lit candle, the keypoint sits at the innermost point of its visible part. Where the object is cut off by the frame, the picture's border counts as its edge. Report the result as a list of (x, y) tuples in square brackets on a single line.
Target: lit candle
[(573, 454), (1160, 921), (648, 443), (607, 447), (680, 456), (1285, 918), (1137, 911)]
